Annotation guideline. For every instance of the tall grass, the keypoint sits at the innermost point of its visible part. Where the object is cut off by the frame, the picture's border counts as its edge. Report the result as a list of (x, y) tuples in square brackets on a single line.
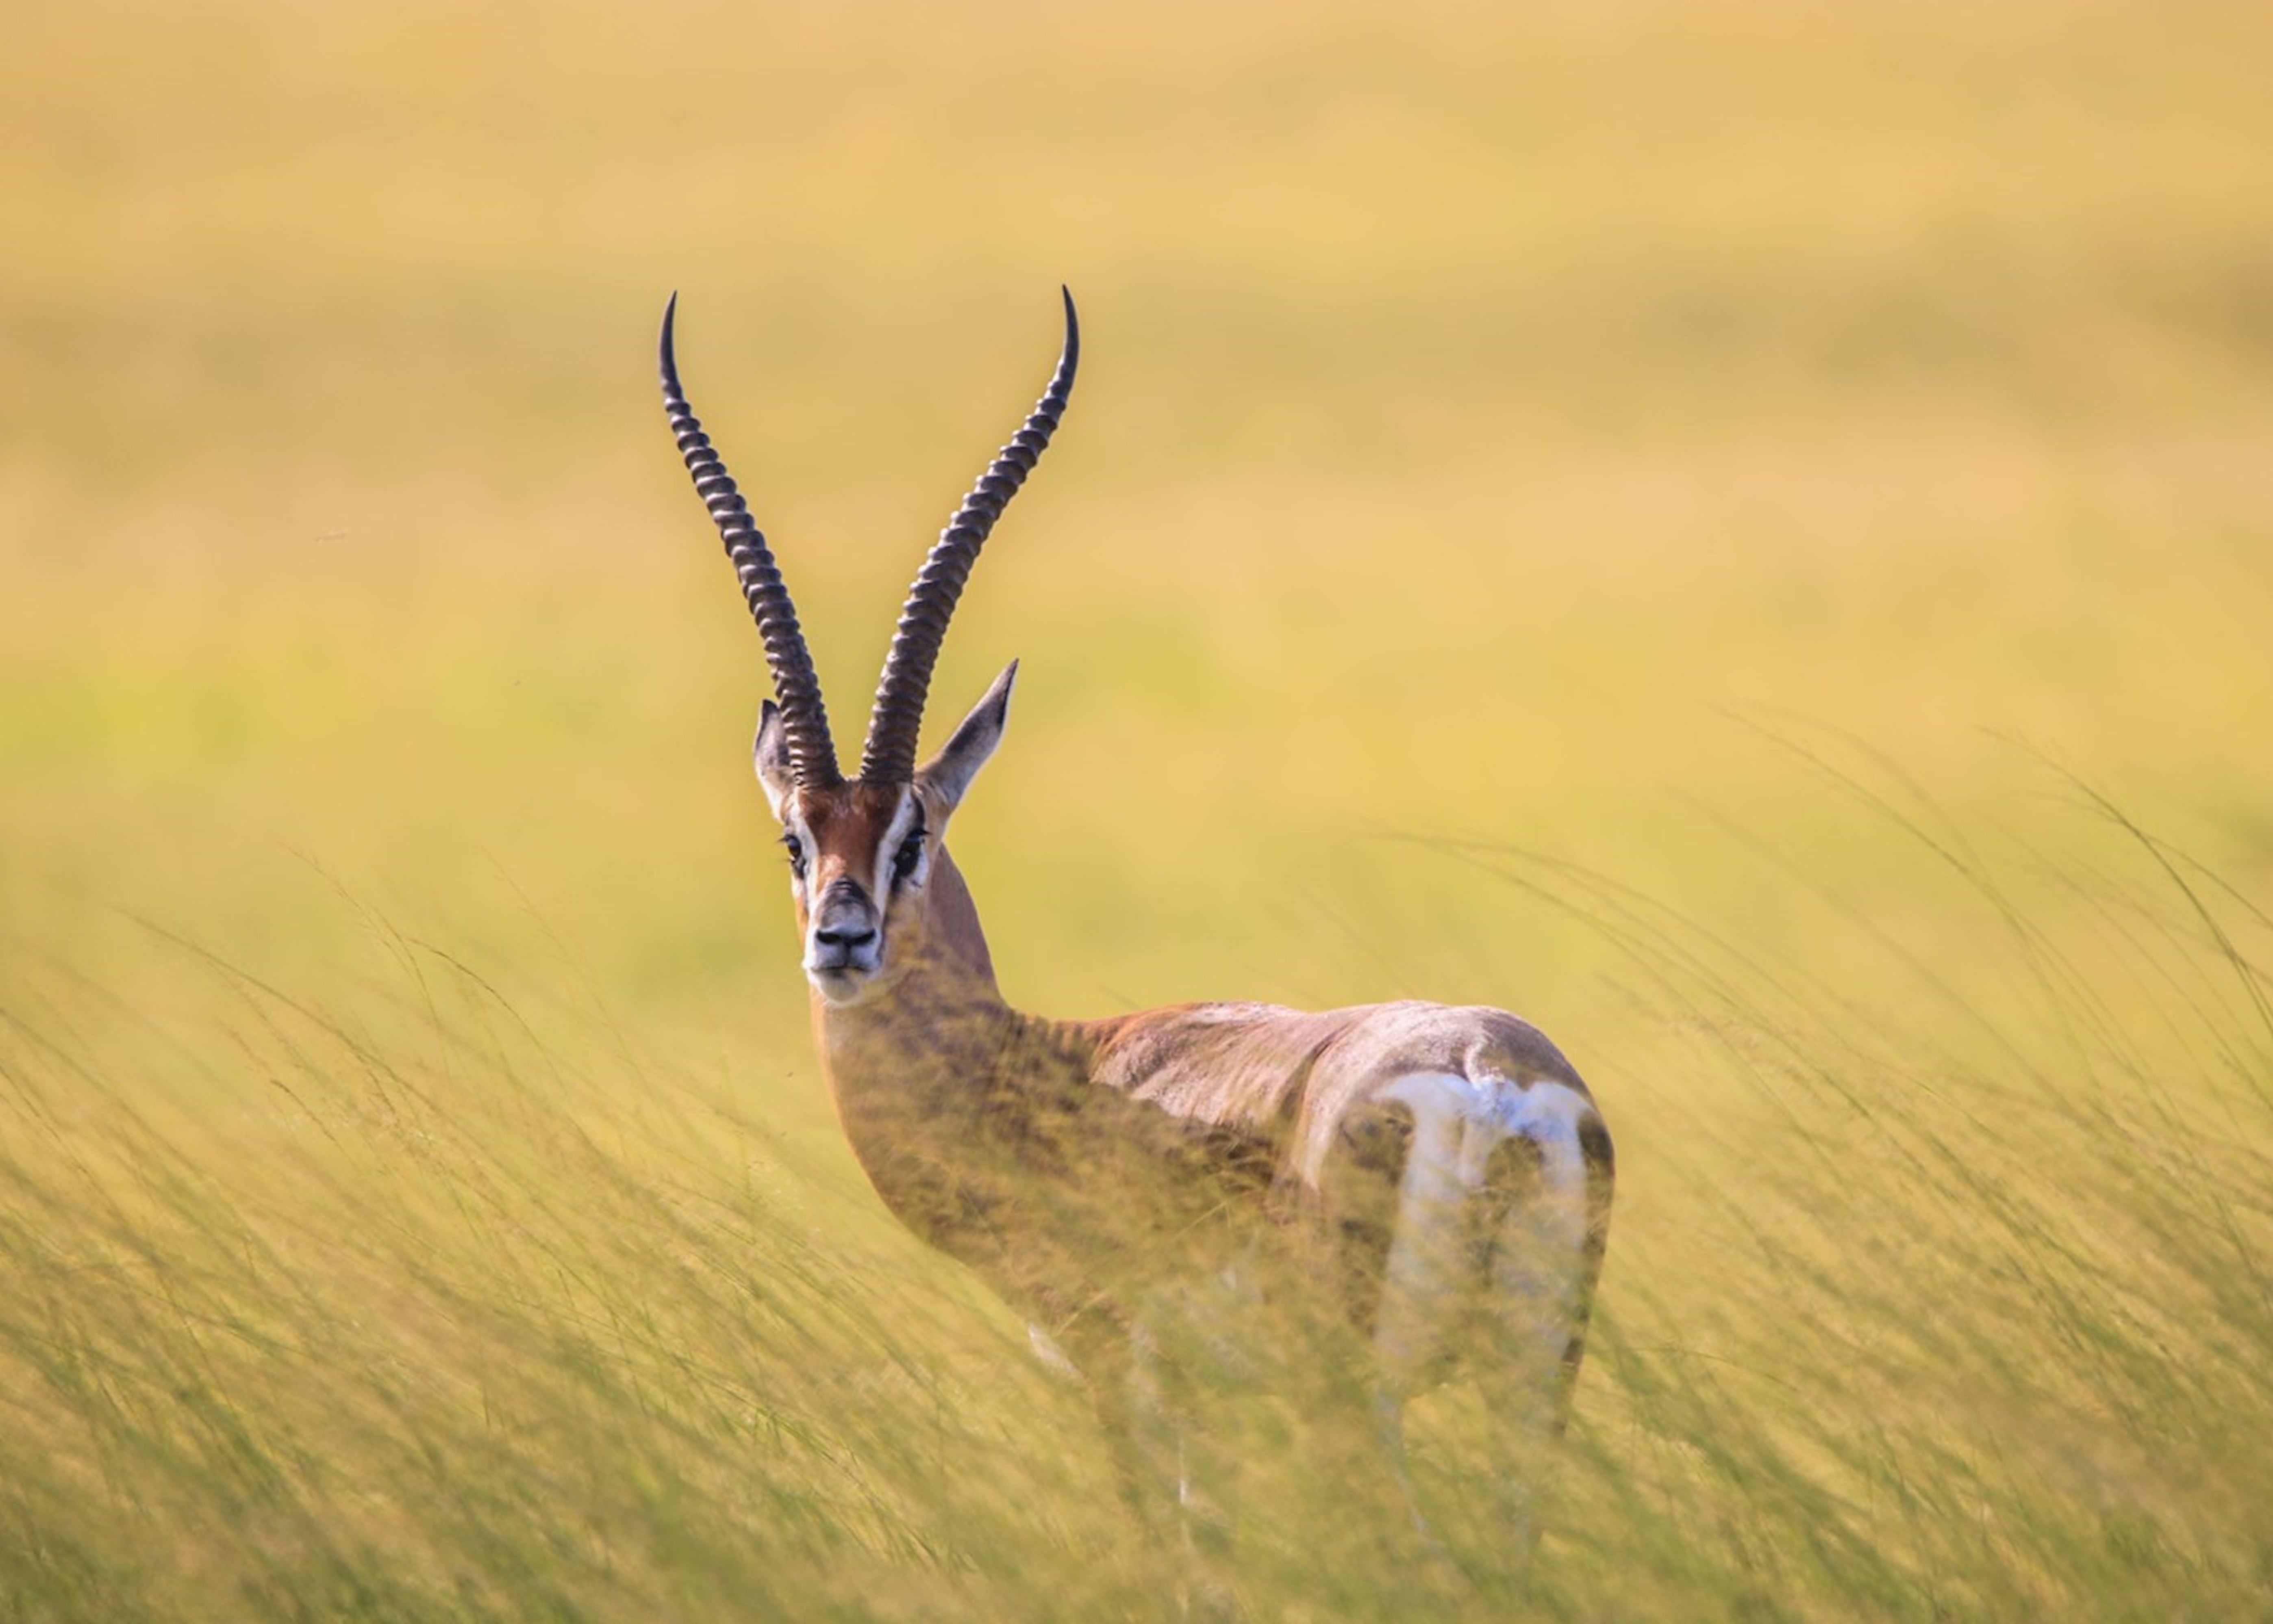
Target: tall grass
[(1976, 1316), (419, 1198), (1927, 1299), (439, 1325)]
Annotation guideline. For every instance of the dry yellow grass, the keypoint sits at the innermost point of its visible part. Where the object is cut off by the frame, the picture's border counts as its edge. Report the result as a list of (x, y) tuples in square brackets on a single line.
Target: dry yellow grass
[(1504, 429)]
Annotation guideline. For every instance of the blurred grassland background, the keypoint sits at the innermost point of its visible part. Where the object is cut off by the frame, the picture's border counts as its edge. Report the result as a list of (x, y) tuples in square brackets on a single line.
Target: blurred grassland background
[(1663, 516)]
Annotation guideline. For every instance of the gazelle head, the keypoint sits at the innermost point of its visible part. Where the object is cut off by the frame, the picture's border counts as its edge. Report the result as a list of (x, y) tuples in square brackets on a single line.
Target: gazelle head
[(875, 890)]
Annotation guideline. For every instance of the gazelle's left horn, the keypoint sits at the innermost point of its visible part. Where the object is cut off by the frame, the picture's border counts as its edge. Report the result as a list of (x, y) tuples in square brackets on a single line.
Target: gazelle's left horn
[(812, 754), (890, 755)]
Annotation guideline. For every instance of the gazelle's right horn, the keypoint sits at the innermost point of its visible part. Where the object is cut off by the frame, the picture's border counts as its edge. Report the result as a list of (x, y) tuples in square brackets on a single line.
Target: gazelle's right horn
[(813, 756), (890, 755)]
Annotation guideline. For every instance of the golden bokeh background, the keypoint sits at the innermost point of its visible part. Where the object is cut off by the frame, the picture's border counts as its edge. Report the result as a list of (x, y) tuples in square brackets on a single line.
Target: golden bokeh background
[(1478, 401), (1541, 434)]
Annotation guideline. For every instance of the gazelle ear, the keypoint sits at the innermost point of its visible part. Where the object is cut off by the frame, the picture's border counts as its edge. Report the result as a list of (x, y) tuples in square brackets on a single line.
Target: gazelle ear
[(949, 772), (771, 755)]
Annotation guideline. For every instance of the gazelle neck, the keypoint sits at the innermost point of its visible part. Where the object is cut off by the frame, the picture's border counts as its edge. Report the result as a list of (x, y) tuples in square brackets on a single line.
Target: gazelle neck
[(957, 943), (941, 1088)]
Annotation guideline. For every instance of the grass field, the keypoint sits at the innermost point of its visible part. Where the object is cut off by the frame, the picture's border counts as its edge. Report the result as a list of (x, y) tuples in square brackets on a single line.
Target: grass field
[(1743, 533)]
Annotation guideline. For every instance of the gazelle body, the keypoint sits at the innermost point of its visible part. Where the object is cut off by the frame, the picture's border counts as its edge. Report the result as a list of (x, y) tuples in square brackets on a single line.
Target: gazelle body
[(1179, 1195)]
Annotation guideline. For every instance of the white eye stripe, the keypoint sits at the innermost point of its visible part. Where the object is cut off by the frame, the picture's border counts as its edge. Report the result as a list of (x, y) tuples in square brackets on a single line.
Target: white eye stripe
[(908, 821), (797, 840)]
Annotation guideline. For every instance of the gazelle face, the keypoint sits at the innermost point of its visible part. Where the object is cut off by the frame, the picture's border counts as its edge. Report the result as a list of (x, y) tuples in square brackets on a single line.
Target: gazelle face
[(862, 855), (858, 855)]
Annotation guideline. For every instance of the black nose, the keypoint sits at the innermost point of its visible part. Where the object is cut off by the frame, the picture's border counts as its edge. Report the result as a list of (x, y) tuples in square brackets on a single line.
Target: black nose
[(847, 938)]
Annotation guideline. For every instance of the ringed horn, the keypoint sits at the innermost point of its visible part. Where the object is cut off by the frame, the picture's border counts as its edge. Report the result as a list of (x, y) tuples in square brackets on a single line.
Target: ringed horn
[(889, 754), (804, 720)]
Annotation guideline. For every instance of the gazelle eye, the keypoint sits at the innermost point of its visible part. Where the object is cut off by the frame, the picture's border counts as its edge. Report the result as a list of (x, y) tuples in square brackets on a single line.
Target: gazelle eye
[(910, 854), (796, 855)]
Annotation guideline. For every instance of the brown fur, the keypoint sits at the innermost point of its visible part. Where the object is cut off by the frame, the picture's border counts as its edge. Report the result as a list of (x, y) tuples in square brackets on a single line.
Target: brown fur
[(1077, 1164)]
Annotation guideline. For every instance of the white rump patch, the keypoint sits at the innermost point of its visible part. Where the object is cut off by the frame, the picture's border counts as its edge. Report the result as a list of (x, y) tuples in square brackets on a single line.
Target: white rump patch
[(1547, 1114), (1458, 1121), (1539, 1256)]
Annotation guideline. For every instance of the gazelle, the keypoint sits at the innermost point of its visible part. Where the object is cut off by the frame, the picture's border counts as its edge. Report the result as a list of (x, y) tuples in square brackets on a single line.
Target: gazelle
[(1180, 1195)]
